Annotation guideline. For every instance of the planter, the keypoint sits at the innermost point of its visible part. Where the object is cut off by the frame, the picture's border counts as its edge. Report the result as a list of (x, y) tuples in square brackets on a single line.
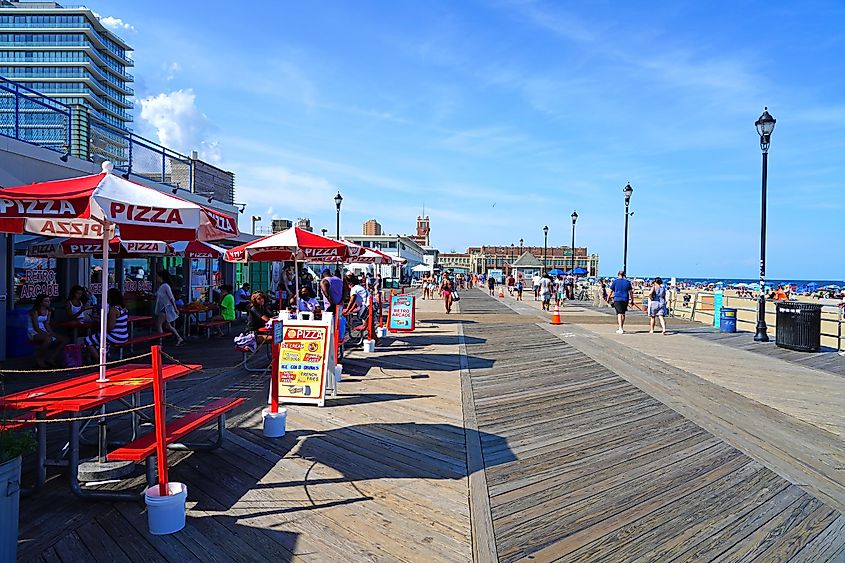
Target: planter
[(10, 492)]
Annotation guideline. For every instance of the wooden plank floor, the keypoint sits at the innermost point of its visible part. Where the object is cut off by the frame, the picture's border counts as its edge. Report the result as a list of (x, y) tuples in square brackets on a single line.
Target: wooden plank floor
[(377, 474), (591, 468), (826, 360)]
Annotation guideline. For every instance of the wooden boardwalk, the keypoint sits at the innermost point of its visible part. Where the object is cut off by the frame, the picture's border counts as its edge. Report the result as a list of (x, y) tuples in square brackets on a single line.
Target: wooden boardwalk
[(593, 468), (377, 474)]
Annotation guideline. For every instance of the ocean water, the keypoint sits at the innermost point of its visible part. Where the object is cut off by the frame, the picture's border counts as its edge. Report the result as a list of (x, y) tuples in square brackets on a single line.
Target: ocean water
[(769, 282)]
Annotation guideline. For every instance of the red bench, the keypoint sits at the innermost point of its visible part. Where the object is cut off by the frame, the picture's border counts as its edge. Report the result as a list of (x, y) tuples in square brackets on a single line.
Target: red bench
[(144, 448), (208, 325), (140, 340), (25, 420)]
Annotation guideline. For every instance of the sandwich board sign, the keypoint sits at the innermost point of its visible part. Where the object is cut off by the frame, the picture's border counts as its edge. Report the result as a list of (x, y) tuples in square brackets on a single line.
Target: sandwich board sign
[(303, 362), (402, 313)]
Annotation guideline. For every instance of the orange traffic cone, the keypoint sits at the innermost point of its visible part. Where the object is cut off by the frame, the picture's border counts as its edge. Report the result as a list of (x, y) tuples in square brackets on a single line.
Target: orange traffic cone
[(501, 293), (556, 316)]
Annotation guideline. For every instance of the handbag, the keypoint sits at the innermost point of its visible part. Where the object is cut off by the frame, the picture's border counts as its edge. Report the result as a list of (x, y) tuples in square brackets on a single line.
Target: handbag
[(456, 296)]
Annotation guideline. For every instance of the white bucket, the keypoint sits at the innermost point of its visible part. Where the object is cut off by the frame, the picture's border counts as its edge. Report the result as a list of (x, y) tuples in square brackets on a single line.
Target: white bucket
[(166, 515), (274, 422), (369, 346), (338, 372), (381, 332)]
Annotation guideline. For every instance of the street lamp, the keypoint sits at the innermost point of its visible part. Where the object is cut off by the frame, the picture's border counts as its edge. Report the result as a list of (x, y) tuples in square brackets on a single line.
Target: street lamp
[(627, 190), (255, 219), (572, 250), (765, 125), (338, 199), (511, 268), (520, 247), (545, 244)]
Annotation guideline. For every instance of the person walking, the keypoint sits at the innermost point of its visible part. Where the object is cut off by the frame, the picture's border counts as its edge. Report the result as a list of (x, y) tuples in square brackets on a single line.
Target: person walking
[(657, 305), (165, 307), (546, 291), (535, 285), (446, 289), (520, 285), (621, 293), (491, 285)]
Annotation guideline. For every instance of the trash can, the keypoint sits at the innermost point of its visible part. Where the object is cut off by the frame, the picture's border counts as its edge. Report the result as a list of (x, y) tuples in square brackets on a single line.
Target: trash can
[(798, 326), (727, 320)]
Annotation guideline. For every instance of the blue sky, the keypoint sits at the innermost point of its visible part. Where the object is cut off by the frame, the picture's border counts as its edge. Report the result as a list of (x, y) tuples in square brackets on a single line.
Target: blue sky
[(504, 116)]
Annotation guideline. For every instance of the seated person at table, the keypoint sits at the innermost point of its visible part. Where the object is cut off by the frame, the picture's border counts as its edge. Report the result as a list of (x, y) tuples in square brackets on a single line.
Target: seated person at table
[(258, 316), (308, 302), (117, 325), (41, 335), (177, 296), (358, 297), (76, 306), (227, 307), (242, 298)]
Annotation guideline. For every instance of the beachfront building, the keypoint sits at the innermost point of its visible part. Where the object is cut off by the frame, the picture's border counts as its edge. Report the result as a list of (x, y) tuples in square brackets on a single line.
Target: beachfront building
[(68, 55), (458, 262), (484, 258), (403, 246)]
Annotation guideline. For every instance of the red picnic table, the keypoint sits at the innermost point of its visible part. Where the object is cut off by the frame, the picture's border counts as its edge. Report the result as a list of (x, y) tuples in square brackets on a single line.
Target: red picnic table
[(74, 396)]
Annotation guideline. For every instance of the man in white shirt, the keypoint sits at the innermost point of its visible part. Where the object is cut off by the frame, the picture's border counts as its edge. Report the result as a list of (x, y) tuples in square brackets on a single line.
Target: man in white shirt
[(359, 297), (535, 285), (545, 289)]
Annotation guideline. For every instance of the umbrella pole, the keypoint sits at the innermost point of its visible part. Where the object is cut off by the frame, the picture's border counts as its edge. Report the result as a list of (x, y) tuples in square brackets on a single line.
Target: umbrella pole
[(104, 306), (296, 297)]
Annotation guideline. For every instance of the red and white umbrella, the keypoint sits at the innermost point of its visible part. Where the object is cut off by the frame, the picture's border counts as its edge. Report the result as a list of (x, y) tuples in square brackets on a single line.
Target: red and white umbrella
[(292, 244), (99, 205), (78, 248), (197, 249)]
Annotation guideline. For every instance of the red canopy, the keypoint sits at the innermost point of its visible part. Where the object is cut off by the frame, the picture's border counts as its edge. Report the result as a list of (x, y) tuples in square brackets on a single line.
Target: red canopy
[(291, 244), (197, 249), (78, 208), (78, 247)]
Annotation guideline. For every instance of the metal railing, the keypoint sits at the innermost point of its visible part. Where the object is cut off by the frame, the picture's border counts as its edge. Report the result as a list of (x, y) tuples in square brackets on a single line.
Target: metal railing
[(701, 309), (30, 116)]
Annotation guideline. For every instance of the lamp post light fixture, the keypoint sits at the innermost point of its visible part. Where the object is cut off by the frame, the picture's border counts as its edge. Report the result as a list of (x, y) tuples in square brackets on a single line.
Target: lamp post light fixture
[(572, 251), (627, 190), (765, 125), (512, 250), (255, 219), (338, 199), (545, 245)]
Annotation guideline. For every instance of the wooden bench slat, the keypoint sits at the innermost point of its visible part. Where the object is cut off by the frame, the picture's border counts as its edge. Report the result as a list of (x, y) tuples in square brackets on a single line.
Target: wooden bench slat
[(145, 446)]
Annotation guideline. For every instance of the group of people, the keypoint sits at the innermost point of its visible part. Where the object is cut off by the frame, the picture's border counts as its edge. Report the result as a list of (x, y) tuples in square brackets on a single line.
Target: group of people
[(622, 295)]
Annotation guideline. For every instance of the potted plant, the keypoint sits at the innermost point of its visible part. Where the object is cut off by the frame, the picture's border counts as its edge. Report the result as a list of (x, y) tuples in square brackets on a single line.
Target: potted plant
[(13, 445)]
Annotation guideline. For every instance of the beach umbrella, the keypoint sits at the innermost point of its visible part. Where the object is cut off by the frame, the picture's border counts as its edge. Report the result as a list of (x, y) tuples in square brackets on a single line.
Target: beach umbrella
[(197, 249), (105, 205), (557, 272), (580, 272), (80, 248)]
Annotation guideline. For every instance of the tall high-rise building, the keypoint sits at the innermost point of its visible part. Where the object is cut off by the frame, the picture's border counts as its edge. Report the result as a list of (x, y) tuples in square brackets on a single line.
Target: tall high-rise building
[(304, 223), (371, 227), (279, 225), (69, 55)]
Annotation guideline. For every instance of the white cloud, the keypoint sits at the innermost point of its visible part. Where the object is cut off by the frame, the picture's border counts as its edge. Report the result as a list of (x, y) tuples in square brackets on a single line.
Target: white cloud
[(171, 69), (180, 125), (116, 24)]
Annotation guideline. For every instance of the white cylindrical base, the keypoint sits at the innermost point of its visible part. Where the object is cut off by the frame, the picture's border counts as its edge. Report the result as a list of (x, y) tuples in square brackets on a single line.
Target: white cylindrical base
[(381, 332), (274, 423), (338, 372), (166, 515), (369, 346)]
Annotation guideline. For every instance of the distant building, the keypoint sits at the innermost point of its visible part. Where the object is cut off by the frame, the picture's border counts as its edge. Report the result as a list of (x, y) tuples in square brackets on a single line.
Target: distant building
[(458, 262), (304, 223), (203, 179), (483, 258), (423, 236), (402, 245), (371, 227), (67, 54), (279, 225)]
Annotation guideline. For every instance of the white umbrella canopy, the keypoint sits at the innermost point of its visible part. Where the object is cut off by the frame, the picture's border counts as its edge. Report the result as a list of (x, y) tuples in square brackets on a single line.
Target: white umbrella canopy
[(421, 268), (104, 205), (77, 248)]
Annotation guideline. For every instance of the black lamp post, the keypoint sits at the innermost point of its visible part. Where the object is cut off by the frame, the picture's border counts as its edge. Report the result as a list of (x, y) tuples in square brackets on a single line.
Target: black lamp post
[(520, 247), (765, 125), (338, 199), (627, 190), (545, 245), (572, 250), (511, 266)]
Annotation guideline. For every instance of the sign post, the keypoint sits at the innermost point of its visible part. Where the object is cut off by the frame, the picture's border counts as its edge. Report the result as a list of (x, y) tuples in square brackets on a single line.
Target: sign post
[(158, 406), (301, 374)]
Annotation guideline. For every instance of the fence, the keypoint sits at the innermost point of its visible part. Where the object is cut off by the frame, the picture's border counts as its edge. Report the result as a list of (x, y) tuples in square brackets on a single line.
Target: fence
[(700, 308), (29, 116)]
